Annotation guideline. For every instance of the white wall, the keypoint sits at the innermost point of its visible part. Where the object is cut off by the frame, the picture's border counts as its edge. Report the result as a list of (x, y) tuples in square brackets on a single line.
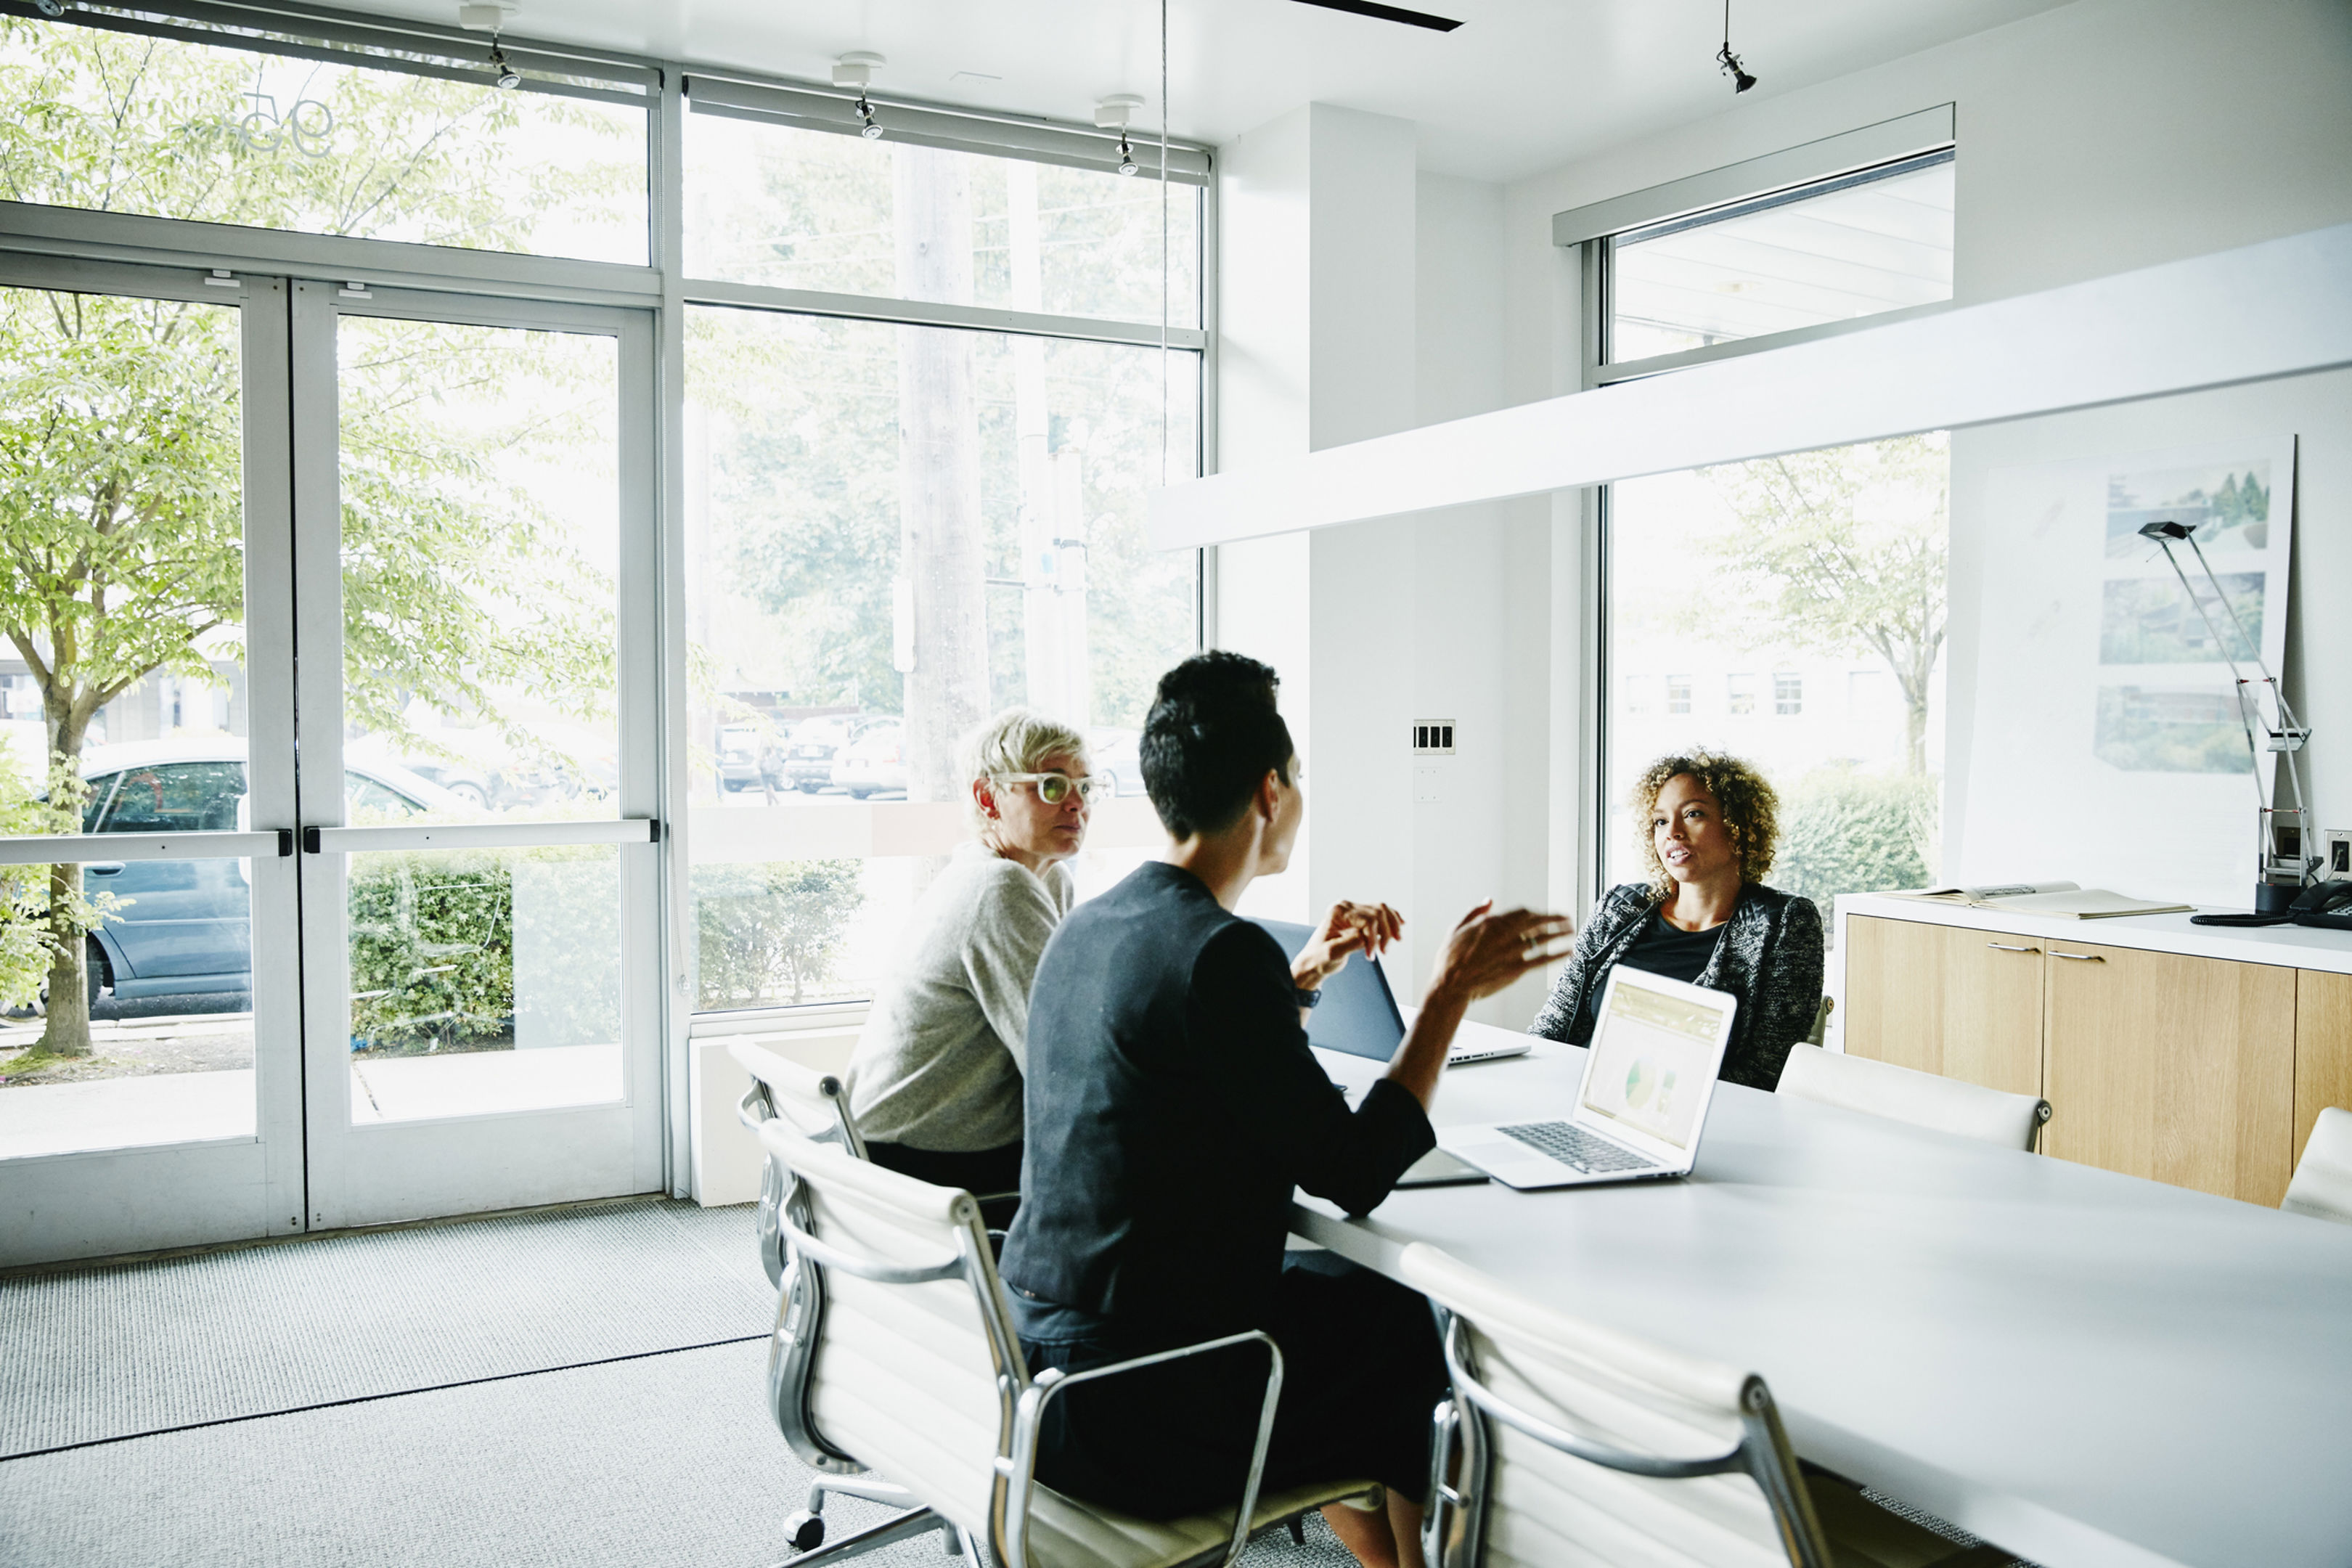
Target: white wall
[(1359, 298), (2100, 137), (2093, 139)]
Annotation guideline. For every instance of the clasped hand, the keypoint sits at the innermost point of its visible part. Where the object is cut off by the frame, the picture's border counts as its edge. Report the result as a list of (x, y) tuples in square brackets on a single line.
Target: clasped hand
[(1347, 929)]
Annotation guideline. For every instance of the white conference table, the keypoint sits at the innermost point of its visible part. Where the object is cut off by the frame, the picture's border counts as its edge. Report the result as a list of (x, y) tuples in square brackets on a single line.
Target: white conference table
[(2087, 1368)]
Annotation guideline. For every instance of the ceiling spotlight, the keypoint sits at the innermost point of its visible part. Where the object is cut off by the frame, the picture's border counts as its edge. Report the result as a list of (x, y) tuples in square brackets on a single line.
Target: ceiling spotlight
[(1727, 62), (507, 76), (856, 70), (1112, 113), (52, 9)]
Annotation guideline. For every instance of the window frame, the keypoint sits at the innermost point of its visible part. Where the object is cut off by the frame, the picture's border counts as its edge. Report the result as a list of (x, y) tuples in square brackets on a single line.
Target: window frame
[(76, 238), (1910, 142)]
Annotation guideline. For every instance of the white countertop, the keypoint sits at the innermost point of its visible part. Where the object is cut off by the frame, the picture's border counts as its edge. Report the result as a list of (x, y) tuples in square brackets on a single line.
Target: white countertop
[(2087, 1368), (2294, 947)]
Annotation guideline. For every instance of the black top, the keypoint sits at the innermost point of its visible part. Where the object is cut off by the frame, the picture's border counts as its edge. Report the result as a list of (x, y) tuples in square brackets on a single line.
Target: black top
[(1663, 948), (1768, 955), (1172, 1105)]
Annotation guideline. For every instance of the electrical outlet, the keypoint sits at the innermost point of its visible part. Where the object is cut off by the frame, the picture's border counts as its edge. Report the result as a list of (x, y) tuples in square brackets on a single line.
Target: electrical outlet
[(2338, 866)]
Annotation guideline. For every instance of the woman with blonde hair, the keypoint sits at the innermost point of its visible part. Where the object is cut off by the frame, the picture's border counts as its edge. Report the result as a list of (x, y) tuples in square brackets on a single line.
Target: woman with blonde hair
[(1707, 825), (936, 1081)]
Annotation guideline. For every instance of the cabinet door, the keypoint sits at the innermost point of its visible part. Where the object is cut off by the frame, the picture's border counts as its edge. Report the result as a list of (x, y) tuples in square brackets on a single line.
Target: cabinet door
[(1945, 1000), (2178, 1070), (2322, 1048)]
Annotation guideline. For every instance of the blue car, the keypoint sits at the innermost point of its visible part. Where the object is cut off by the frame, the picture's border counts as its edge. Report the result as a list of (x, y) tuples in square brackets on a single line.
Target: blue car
[(186, 926)]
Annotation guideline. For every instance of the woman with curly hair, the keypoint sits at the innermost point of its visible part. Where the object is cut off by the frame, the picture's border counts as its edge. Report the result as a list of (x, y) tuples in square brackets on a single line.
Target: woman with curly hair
[(1707, 825)]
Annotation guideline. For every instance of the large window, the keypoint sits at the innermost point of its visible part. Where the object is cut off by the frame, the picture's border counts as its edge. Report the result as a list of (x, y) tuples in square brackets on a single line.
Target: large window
[(927, 380), (795, 208), (222, 131), (1855, 246), (1792, 610), (895, 530)]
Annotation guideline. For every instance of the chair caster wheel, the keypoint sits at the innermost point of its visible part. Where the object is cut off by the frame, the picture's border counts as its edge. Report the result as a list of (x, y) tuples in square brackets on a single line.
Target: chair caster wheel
[(805, 1531)]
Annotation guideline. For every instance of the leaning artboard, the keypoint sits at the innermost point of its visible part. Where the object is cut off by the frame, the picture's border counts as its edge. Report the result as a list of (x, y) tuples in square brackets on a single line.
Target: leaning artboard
[(2106, 746)]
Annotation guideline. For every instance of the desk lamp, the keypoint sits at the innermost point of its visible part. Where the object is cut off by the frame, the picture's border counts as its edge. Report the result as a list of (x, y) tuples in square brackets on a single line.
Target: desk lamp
[(2282, 865)]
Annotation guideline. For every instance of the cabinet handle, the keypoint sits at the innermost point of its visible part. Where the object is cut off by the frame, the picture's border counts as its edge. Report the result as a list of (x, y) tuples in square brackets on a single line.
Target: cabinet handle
[(2078, 957), (2010, 947)]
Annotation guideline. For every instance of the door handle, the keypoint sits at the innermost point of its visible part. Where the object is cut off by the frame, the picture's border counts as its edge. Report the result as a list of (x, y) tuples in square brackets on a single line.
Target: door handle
[(2010, 947), (2078, 957)]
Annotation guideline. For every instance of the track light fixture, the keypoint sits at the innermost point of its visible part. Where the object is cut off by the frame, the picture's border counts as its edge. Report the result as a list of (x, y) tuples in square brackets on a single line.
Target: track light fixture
[(507, 76), (1112, 114), (1728, 62), (52, 9), (856, 70)]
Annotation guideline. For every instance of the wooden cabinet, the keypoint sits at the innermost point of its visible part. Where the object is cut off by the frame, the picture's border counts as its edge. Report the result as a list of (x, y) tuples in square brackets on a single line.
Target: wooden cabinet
[(2201, 1072), (2178, 1070), (1945, 1000), (2322, 1048)]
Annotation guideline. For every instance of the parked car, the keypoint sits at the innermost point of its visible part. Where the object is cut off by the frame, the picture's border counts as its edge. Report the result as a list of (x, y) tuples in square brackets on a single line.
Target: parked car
[(875, 762), (1111, 756), (808, 751), (738, 747), (186, 925)]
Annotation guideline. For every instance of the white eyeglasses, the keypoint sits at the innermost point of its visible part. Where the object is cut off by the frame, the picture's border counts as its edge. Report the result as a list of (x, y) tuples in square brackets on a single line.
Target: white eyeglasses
[(1055, 788)]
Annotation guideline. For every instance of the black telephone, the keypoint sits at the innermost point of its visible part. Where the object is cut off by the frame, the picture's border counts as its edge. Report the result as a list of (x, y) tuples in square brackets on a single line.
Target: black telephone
[(2328, 905)]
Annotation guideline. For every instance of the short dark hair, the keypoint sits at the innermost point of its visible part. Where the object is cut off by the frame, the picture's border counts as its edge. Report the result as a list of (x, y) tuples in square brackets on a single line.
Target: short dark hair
[(1213, 734)]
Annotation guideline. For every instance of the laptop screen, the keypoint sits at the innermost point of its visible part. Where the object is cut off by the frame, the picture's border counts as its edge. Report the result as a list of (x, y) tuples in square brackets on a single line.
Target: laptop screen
[(1356, 1015), (1654, 1053)]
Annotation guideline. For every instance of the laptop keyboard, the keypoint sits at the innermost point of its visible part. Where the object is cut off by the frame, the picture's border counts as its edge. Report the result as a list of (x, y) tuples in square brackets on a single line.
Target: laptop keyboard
[(1572, 1146)]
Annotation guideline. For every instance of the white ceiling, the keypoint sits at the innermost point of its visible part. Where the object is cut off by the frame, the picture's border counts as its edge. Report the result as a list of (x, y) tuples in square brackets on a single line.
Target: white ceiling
[(1522, 86)]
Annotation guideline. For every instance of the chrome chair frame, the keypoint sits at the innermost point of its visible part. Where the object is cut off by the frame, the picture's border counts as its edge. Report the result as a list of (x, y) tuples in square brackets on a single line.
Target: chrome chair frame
[(1763, 1454), (1023, 1401)]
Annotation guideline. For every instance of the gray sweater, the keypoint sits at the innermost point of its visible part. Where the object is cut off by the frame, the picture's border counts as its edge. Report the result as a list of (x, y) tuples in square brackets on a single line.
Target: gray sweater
[(941, 1061)]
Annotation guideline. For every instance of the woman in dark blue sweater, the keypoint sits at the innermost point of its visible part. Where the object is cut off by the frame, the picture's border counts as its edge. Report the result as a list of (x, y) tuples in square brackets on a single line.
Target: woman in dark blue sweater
[(1709, 825)]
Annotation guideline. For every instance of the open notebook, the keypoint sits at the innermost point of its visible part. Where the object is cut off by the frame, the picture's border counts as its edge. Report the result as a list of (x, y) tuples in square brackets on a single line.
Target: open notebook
[(2062, 900)]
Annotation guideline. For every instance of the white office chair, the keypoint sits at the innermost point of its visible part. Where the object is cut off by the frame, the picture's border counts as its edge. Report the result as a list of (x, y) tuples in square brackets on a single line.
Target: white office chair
[(895, 1351), (2322, 1186), (1921, 1098), (1567, 1444)]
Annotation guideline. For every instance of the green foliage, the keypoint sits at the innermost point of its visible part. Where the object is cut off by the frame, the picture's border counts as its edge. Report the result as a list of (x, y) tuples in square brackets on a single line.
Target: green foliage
[(772, 932), (1845, 831), (435, 936), (120, 503), (432, 950), (32, 924), (120, 122), (1840, 549)]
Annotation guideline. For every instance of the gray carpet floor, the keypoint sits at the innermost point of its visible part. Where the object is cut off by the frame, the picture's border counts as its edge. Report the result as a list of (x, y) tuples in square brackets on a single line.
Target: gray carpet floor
[(105, 1352), (668, 1458)]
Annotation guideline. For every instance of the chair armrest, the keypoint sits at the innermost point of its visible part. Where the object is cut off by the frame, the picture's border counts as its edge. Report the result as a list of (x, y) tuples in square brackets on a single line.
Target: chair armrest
[(754, 1107), (1020, 1468)]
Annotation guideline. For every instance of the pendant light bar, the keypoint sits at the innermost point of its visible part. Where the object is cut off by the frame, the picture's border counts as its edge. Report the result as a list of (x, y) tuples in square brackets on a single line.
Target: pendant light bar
[(2280, 308)]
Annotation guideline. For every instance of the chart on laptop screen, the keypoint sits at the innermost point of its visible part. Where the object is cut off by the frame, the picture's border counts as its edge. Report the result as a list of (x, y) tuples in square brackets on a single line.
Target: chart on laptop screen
[(1652, 1057)]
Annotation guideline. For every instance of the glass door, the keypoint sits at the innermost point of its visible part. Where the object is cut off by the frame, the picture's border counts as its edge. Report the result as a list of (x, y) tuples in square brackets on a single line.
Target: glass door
[(476, 615), (151, 1075)]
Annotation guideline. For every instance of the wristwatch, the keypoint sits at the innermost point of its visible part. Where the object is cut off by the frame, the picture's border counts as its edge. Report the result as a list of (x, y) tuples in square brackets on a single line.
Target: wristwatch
[(1303, 997)]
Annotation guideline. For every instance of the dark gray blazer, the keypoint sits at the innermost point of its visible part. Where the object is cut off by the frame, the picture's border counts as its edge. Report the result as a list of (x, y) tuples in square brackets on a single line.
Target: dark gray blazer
[(1769, 957)]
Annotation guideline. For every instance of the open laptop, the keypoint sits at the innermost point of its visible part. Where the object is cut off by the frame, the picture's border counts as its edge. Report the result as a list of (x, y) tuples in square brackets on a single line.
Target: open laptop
[(1648, 1080), (1358, 1014)]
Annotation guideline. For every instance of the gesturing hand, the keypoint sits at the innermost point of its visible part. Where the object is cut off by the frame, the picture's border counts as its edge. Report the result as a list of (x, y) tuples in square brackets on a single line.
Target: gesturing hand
[(1348, 928), (1487, 951)]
